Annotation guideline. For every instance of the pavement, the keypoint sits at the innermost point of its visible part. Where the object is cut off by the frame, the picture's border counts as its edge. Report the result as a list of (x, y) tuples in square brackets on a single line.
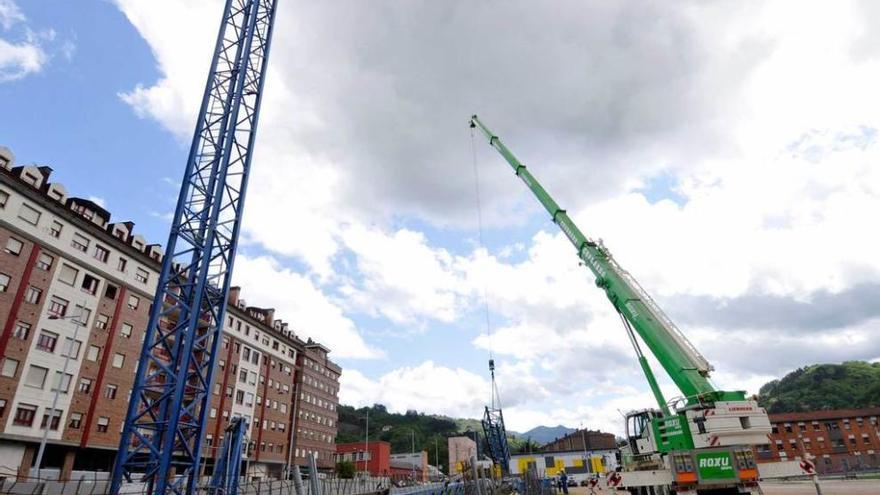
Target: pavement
[(833, 487)]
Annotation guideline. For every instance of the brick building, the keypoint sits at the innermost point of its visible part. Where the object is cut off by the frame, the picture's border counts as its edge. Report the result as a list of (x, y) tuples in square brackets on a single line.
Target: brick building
[(373, 457), (583, 440), (839, 441), (74, 283), (318, 385)]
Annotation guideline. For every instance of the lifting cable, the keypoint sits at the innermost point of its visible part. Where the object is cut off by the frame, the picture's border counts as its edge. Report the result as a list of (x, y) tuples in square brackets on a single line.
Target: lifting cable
[(495, 396)]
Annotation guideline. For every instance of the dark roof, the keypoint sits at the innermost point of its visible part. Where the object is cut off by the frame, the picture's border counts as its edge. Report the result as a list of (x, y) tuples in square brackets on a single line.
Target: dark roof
[(98, 209), (820, 415)]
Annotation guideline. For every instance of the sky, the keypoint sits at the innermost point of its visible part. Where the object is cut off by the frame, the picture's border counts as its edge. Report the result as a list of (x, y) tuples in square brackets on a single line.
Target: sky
[(726, 152)]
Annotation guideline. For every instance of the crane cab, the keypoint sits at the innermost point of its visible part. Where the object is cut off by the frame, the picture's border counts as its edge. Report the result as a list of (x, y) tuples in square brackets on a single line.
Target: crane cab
[(639, 436)]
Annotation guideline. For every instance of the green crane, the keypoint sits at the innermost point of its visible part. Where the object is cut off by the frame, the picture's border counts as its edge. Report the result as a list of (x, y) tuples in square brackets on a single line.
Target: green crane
[(678, 356), (711, 427)]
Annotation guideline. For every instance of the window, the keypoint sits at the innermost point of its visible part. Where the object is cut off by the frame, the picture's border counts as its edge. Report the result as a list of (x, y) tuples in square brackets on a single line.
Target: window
[(10, 368), (118, 360), (90, 284), (80, 242), (141, 275), (125, 330), (249, 399), (57, 306), (46, 341), (246, 353), (85, 385), (252, 378), (255, 357), (75, 421), (110, 391), (36, 376), (101, 253), (239, 397), (120, 265), (22, 331), (55, 229), (33, 295), (110, 291), (71, 347), (102, 321), (44, 262), (67, 274), (24, 415), (4, 282), (29, 214), (93, 353), (63, 380), (133, 302), (4, 198), (242, 376), (13, 246), (103, 424)]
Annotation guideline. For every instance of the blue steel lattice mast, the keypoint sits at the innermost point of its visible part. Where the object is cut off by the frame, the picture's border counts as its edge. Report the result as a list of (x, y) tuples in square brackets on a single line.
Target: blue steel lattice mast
[(162, 438), (493, 427)]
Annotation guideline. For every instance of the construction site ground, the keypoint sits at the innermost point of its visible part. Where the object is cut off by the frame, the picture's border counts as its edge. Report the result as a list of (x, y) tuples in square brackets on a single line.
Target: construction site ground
[(831, 487)]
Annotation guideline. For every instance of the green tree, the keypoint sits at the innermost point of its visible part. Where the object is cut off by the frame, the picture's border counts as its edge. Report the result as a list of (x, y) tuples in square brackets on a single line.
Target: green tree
[(853, 384), (345, 469)]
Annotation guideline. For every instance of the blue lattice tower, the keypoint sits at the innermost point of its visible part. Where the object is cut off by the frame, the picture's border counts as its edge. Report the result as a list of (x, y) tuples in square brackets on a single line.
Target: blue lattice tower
[(493, 427), (163, 433), (227, 466)]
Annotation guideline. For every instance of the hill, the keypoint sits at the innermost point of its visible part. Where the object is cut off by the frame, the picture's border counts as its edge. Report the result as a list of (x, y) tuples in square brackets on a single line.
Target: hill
[(427, 432), (546, 434), (851, 385)]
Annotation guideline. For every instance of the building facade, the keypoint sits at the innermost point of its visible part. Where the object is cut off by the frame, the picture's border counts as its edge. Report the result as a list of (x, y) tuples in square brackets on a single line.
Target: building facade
[(578, 465), (461, 449), (75, 295), (318, 385), (583, 440), (412, 465), (837, 441), (373, 457)]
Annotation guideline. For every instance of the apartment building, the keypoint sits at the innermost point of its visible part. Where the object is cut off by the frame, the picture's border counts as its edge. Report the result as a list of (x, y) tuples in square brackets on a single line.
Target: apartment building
[(318, 385), (75, 295), (838, 441)]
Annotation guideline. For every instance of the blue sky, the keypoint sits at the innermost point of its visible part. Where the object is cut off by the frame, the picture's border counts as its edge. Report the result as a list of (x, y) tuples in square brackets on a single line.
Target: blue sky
[(717, 168)]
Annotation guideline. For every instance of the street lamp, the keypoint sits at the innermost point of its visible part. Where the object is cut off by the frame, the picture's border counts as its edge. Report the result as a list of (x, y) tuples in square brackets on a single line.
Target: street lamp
[(76, 325), (413, 451), (584, 445)]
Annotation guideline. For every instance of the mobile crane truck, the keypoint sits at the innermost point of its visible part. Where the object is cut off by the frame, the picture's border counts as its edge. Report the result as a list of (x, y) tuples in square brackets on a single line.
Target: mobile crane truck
[(700, 443)]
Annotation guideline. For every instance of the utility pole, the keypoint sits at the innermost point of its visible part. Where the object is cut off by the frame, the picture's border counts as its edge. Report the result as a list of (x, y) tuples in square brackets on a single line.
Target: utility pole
[(367, 442), (436, 455), (584, 445), (53, 411), (413, 453)]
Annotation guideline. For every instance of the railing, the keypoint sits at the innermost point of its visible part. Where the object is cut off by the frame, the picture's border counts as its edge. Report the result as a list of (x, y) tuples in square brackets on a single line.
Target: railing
[(98, 483)]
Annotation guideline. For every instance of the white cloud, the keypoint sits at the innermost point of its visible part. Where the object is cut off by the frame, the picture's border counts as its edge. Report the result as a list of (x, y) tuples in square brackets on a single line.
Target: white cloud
[(98, 201), (18, 60), (299, 302), (757, 115), (403, 277), (28, 54), (426, 387), (10, 14)]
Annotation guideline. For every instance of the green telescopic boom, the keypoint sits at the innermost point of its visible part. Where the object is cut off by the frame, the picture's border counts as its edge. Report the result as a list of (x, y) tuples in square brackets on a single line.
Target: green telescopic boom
[(681, 360)]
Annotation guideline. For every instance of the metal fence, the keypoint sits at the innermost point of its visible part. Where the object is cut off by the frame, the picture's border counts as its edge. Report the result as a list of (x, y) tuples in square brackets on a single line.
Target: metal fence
[(98, 484)]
